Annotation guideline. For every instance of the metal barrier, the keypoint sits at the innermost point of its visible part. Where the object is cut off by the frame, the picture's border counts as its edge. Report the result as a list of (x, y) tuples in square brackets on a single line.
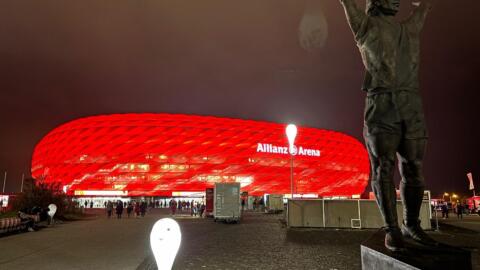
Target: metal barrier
[(358, 214)]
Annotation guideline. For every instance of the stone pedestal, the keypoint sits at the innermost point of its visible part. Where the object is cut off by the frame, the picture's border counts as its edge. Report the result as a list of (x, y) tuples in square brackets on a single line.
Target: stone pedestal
[(376, 257)]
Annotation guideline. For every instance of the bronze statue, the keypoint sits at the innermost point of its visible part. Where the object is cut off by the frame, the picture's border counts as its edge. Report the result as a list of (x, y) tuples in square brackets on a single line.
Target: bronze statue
[(394, 121)]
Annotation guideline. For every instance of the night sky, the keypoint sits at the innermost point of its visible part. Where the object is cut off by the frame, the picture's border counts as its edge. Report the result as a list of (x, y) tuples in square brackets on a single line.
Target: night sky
[(61, 60)]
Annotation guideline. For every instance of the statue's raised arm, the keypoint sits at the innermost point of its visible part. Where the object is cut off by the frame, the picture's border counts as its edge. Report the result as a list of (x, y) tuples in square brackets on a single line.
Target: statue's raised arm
[(419, 14), (355, 15)]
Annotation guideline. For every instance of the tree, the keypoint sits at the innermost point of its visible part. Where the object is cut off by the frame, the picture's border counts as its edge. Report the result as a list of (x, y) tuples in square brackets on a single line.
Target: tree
[(41, 194)]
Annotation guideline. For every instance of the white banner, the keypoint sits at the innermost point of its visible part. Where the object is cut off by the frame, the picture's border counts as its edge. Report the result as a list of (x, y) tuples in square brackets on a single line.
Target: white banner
[(470, 178)]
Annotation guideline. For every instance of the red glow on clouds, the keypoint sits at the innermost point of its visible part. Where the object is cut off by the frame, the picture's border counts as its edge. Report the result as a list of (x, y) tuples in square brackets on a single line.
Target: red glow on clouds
[(157, 154)]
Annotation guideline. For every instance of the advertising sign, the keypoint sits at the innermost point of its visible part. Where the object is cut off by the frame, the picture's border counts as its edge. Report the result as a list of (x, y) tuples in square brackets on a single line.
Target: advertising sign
[(470, 178)]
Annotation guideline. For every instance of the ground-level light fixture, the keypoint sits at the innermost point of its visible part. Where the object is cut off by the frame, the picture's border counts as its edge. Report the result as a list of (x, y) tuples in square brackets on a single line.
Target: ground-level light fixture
[(165, 240)]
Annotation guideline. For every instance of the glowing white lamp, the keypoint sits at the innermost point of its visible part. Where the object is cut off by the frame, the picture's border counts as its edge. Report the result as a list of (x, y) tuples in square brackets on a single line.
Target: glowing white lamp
[(291, 134), (52, 209), (165, 240)]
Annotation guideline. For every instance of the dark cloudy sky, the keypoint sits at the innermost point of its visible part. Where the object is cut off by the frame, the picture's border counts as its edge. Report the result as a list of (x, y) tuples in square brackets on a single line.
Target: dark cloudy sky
[(61, 60)]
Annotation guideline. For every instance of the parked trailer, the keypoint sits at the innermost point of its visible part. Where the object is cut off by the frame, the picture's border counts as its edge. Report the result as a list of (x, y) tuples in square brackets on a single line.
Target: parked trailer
[(226, 205), (274, 203)]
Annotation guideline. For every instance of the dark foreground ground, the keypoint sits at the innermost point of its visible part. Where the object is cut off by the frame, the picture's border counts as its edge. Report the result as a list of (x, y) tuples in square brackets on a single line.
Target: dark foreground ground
[(259, 241)]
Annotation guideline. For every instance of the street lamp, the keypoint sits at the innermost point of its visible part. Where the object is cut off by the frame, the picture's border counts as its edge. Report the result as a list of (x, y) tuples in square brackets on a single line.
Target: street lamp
[(291, 131), (445, 194)]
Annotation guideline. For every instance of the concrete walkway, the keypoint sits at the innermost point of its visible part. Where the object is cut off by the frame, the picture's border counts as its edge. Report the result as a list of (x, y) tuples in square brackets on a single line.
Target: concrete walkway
[(470, 222), (92, 244), (259, 241)]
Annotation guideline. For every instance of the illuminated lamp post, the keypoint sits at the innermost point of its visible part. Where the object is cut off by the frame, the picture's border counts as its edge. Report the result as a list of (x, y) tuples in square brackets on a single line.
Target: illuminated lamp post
[(445, 194), (291, 131)]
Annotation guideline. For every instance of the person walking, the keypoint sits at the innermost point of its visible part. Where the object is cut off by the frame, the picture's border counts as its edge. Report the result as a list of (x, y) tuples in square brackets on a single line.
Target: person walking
[(119, 209), (192, 209), (137, 209), (202, 209), (143, 208), (173, 206), (445, 210), (459, 211), (129, 209), (109, 209)]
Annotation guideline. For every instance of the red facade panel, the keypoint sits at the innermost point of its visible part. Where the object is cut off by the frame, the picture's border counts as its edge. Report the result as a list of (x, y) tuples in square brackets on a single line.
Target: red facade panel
[(157, 154)]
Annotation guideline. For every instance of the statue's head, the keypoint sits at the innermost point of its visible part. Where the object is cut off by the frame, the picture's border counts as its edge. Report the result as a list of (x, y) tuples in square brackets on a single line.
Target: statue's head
[(383, 7)]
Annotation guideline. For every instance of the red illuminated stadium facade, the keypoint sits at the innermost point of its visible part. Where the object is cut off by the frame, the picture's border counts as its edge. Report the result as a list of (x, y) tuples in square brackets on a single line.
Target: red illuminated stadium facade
[(167, 154)]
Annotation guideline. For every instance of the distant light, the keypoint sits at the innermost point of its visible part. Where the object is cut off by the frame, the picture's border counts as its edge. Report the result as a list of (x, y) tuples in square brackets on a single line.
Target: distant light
[(165, 240), (446, 194)]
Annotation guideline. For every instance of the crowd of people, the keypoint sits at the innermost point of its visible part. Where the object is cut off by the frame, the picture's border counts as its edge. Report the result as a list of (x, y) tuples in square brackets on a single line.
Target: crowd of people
[(258, 204), (457, 208), (195, 208), (137, 209)]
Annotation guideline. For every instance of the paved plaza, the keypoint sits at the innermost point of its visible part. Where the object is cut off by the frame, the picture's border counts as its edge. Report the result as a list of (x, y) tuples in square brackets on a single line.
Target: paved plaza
[(469, 222), (259, 241)]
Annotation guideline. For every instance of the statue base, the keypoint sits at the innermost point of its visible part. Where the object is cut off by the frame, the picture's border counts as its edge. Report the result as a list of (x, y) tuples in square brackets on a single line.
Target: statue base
[(375, 256)]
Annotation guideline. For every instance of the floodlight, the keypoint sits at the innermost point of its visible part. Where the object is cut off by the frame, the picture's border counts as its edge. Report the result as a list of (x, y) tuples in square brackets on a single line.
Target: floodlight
[(291, 134)]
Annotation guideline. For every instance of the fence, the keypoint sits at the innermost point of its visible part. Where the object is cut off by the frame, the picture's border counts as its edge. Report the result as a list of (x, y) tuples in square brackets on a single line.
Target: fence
[(361, 214)]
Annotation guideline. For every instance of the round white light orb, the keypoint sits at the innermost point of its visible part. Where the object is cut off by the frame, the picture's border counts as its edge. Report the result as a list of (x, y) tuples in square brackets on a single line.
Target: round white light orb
[(52, 209), (165, 240)]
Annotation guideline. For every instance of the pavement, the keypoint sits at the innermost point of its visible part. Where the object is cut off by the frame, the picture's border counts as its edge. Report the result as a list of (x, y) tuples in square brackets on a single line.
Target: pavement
[(469, 222), (259, 241)]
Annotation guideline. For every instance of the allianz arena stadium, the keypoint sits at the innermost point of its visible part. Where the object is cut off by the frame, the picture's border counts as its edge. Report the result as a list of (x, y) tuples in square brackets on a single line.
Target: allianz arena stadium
[(169, 154)]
